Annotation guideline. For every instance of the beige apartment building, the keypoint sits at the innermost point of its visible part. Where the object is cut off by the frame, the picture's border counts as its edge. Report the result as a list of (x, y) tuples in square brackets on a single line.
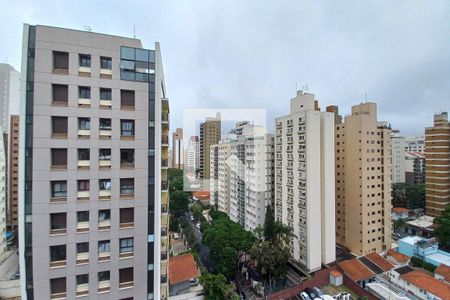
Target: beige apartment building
[(13, 173), (210, 133), (93, 159), (363, 181), (437, 165), (304, 180)]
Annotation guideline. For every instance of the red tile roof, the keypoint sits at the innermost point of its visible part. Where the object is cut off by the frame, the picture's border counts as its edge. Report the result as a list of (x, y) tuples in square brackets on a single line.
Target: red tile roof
[(400, 210), (428, 283), (182, 268), (380, 261), (336, 273), (201, 195), (399, 257), (355, 269), (444, 271)]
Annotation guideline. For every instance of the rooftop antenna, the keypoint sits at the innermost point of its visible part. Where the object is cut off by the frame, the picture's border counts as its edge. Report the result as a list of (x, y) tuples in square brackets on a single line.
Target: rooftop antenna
[(134, 31), (305, 88), (87, 28), (366, 96)]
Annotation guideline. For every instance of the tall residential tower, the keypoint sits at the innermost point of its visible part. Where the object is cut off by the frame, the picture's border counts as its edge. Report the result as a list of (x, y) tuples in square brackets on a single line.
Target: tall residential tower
[(93, 186), (210, 132), (304, 180)]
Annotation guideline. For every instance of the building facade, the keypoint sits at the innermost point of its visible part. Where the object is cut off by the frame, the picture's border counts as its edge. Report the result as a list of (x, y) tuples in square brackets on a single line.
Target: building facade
[(3, 193), (177, 149), (9, 93), (193, 155), (304, 180), (13, 173), (437, 165), (92, 182), (214, 174), (363, 183), (414, 168), (210, 134), (402, 145)]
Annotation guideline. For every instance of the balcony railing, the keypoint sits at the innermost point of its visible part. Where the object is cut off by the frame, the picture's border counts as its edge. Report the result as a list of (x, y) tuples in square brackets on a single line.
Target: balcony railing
[(164, 185), (164, 139)]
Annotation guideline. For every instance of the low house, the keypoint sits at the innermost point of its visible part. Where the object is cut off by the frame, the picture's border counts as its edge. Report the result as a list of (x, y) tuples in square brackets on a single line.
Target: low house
[(420, 284), (183, 274), (201, 196), (398, 213), (357, 271), (427, 249), (376, 263), (397, 258), (422, 226), (442, 273)]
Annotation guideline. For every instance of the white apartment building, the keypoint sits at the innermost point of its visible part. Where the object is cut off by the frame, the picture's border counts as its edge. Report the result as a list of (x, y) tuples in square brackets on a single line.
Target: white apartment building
[(2, 198), (213, 174), (305, 180), (223, 199), (400, 146), (193, 154)]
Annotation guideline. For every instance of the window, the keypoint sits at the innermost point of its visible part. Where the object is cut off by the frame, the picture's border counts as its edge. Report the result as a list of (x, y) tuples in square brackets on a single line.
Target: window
[(82, 247), (126, 245), (84, 154), (105, 94), (103, 250), (85, 60), (84, 123), (127, 127), (58, 287), (126, 278), (59, 126), (60, 94), (127, 186), (127, 99), (106, 62), (57, 255), (103, 281), (82, 284), (104, 215), (126, 217), (60, 60), (127, 157), (84, 92), (83, 216), (59, 158), (105, 184), (105, 124), (82, 279), (104, 154), (58, 223), (83, 185), (59, 189)]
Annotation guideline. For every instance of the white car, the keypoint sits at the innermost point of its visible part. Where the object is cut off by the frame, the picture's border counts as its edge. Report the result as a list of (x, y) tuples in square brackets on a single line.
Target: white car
[(197, 225), (175, 236)]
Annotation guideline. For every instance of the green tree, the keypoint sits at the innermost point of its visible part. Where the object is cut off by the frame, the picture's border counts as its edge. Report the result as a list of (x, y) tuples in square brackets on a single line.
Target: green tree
[(416, 196), (215, 287), (197, 211), (179, 203), (174, 224), (399, 194), (442, 230), (400, 223)]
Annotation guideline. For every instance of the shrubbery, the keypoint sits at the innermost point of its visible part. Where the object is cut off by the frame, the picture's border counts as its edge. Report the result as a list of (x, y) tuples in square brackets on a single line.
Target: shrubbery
[(418, 262)]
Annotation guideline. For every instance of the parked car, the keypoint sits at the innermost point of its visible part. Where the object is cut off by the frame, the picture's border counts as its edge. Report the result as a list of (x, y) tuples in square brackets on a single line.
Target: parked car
[(312, 293), (175, 236), (197, 225), (318, 291), (304, 296)]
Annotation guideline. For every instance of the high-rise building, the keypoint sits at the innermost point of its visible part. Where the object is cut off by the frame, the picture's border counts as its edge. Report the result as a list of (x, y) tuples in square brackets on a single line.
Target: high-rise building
[(400, 146), (250, 176), (210, 133), (13, 173), (214, 174), (9, 93), (223, 188), (177, 149), (414, 168), (3, 194), (437, 165), (192, 155), (363, 183), (304, 180), (93, 186)]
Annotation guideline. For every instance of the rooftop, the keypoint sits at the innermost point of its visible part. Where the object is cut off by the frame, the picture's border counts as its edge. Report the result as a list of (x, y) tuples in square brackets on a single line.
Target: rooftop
[(399, 210), (444, 271), (428, 283), (441, 257), (422, 222), (403, 270), (356, 270), (399, 257), (380, 261), (182, 268)]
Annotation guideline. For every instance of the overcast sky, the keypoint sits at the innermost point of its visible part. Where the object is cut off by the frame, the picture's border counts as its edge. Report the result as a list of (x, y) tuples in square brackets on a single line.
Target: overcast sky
[(252, 54)]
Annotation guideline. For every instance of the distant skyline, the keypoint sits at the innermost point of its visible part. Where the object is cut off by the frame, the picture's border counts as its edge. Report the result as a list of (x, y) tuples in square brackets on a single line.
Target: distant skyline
[(253, 54)]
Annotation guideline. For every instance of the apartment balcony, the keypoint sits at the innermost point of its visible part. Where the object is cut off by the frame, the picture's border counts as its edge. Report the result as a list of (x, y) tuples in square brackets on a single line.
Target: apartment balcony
[(84, 164), (83, 226), (105, 134), (104, 163), (164, 186), (83, 195), (302, 203), (104, 224), (104, 286), (104, 256), (279, 125), (84, 102), (82, 258), (165, 163), (107, 104), (165, 118), (82, 290), (165, 103), (104, 194), (164, 140), (84, 133)]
